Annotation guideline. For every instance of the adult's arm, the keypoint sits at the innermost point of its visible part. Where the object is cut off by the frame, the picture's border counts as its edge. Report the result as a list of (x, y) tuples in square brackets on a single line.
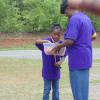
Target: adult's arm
[(66, 43)]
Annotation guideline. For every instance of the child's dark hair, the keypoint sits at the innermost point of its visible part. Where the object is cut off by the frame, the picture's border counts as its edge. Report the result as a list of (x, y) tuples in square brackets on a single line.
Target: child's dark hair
[(55, 26)]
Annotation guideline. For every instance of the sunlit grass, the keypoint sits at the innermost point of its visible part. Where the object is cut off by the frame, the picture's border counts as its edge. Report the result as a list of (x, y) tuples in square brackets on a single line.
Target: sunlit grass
[(24, 47), (20, 79)]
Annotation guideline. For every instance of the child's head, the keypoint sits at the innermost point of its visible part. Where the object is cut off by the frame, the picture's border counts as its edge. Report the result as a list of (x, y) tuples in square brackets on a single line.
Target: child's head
[(56, 32)]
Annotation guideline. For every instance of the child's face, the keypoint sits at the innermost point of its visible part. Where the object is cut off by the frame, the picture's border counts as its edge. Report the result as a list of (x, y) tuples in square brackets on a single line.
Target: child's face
[(56, 35)]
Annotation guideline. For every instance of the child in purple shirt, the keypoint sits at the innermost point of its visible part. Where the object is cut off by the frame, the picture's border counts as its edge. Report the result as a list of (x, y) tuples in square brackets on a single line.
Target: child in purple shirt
[(51, 64)]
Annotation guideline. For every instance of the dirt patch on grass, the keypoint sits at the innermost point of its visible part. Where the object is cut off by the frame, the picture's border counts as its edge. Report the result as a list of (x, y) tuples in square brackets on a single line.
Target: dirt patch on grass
[(19, 41), (16, 42)]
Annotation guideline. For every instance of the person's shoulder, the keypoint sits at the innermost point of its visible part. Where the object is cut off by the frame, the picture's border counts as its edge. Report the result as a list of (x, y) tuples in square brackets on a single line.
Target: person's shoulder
[(74, 17), (80, 17), (84, 18)]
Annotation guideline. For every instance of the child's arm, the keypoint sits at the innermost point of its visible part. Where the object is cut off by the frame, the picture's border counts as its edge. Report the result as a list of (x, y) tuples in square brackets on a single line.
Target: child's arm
[(62, 59), (40, 41)]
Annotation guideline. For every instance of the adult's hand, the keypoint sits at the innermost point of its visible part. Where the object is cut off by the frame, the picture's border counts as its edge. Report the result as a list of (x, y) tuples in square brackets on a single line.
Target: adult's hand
[(55, 50)]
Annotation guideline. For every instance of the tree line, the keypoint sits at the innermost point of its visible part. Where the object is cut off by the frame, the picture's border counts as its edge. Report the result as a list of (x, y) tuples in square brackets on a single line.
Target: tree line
[(33, 16)]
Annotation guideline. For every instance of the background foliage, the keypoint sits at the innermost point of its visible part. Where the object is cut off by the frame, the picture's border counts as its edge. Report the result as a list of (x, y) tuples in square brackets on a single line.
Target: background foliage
[(32, 16)]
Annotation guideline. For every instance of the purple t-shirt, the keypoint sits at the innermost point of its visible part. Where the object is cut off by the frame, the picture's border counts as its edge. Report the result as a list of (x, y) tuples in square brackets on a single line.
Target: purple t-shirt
[(49, 70), (79, 29)]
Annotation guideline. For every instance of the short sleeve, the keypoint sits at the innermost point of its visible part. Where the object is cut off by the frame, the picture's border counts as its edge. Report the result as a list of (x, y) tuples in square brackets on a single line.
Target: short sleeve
[(40, 46), (72, 30)]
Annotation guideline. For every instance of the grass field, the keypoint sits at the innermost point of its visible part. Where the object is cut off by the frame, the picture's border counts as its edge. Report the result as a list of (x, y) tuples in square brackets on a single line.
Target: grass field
[(20, 79), (28, 47), (24, 47)]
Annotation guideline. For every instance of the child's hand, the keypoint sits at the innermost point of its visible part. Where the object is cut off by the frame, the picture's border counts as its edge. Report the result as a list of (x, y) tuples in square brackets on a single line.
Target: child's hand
[(57, 64)]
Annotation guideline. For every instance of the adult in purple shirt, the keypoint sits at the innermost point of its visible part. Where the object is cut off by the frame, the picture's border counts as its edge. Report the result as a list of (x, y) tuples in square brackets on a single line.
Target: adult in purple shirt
[(50, 72), (78, 40)]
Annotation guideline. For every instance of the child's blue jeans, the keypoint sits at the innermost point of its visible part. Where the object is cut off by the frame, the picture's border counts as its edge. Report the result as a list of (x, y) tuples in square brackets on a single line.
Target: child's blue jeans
[(47, 88), (79, 80)]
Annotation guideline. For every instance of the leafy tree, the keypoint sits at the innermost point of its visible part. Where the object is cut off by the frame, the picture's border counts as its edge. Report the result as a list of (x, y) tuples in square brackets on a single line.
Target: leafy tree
[(33, 15)]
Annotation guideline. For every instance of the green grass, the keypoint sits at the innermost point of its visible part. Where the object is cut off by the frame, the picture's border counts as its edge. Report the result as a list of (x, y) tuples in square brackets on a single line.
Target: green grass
[(28, 47), (24, 47), (98, 60), (20, 79), (96, 46)]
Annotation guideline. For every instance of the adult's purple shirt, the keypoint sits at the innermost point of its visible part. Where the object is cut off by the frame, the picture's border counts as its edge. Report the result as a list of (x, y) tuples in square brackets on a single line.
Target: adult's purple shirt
[(79, 29)]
